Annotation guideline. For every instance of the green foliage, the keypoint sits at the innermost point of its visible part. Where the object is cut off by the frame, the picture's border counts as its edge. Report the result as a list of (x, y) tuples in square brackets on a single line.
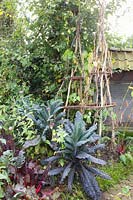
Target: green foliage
[(45, 40), (74, 98), (59, 136), (36, 56), (77, 194), (117, 171), (88, 115), (126, 190), (3, 173), (7, 13), (7, 161), (3, 141), (3, 177), (46, 119), (45, 46), (127, 158), (76, 154), (15, 123), (8, 158), (114, 40), (10, 82), (124, 139)]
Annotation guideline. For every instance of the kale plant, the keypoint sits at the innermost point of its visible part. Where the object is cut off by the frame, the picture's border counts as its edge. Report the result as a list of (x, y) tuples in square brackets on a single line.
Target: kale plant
[(46, 118), (78, 155)]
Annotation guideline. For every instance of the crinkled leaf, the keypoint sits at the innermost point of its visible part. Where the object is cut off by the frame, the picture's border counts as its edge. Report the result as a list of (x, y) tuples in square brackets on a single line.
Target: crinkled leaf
[(60, 116), (84, 155), (31, 143), (49, 160), (87, 184), (55, 171), (90, 185), (69, 140), (69, 127), (93, 128), (39, 123), (95, 148), (66, 151), (57, 110), (20, 159), (71, 178), (99, 173), (69, 146), (44, 113), (55, 106), (79, 120), (53, 145), (82, 142), (43, 137), (78, 117), (66, 172), (95, 137), (88, 133), (44, 134)]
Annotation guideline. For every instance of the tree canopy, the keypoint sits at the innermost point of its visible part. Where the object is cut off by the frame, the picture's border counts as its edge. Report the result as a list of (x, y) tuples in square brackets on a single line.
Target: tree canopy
[(38, 41)]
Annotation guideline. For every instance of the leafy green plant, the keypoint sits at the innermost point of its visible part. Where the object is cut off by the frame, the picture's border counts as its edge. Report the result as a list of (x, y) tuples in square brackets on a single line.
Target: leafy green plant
[(126, 158), (77, 154), (9, 162), (3, 173), (16, 122), (124, 143), (74, 98), (46, 119), (88, 117), (126, 190), (59, 136), (6, 159), (3, 177), (19, 177)]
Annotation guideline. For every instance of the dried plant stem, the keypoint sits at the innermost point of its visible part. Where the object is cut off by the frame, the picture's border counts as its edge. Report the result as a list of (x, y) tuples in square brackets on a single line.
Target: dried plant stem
[(69, 89)]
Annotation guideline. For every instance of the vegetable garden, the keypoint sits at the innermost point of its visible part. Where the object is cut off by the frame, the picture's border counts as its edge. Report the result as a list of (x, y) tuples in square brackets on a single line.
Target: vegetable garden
[(55, 100)]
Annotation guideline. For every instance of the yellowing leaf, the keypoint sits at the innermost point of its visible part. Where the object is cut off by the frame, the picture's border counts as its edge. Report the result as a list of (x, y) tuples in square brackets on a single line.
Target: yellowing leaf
[(1, 12)]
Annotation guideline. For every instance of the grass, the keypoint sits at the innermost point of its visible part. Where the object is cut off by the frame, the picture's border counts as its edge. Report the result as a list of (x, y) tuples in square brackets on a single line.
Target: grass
[(117, 172), (77, 194)]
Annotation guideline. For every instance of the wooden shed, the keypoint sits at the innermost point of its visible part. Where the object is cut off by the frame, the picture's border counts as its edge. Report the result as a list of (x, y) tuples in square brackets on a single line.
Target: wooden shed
[(121, 85)]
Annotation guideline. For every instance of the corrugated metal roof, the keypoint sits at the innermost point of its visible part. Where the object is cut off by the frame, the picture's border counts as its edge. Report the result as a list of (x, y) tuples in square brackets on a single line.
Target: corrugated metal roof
[(122, 59)]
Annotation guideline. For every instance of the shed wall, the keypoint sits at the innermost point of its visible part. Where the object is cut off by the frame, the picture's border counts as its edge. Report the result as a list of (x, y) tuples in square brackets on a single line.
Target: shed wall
[(121, 94)]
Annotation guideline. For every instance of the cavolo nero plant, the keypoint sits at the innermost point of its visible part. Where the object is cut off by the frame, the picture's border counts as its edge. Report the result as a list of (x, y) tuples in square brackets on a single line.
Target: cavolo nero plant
[(46, 118), (80, 146)]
